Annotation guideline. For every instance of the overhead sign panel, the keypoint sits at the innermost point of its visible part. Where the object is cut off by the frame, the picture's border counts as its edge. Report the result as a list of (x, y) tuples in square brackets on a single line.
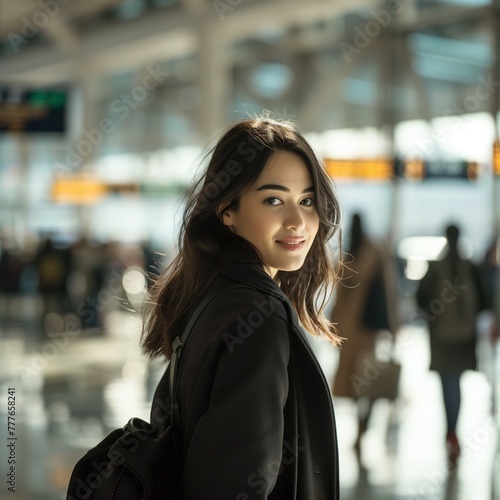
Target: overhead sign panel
[(383, 169), (371, 169), (420, 170), (496, 157), (32, 110), (80, 189)]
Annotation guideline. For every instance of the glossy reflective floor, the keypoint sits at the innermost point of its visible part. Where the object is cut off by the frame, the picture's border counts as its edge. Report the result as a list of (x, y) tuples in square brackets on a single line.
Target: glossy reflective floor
[(73, 388)]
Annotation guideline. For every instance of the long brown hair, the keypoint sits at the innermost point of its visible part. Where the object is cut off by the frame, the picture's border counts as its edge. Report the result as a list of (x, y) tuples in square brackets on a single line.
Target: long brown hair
[(206, 244)]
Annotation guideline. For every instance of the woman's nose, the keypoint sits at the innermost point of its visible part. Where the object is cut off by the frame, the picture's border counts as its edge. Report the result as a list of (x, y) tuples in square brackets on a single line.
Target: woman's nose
[(294, 219)]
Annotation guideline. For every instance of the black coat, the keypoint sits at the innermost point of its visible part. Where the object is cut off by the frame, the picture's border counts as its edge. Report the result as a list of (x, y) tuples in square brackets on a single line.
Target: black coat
[(256, 412)]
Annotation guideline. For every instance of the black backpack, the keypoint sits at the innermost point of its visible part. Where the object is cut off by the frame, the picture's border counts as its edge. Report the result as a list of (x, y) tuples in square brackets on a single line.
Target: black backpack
[(140, 461)]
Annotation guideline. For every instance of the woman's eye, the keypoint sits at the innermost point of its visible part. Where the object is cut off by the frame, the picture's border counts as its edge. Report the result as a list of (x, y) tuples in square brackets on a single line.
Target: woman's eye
[(272, 201), (308, 202)]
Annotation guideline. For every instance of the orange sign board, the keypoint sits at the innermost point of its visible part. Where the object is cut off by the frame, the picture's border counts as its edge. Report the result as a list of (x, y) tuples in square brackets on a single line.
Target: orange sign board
[(78, 189), (371, 169), (496, 157)]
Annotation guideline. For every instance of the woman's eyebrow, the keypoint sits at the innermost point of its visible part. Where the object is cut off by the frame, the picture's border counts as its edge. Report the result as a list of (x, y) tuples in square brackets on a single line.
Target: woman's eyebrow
[(278, 187)]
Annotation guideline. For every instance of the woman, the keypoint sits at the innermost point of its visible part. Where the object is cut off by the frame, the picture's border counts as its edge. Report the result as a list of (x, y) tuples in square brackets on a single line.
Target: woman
[(361, 310), (256, 415)]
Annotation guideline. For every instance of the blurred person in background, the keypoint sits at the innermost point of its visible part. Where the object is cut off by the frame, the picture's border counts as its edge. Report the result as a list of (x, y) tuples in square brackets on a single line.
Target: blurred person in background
[(83, 281), (12, 266), (361, 311), (53, 267), (11, 269), (256, 413), (450, 297)]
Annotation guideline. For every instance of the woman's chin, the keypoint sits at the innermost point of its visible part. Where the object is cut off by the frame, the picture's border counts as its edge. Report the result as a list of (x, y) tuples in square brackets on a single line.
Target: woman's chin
[(289, 268)]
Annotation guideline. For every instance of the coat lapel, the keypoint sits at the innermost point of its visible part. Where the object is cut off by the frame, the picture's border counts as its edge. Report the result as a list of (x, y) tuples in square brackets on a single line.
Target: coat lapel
[(310, 404)]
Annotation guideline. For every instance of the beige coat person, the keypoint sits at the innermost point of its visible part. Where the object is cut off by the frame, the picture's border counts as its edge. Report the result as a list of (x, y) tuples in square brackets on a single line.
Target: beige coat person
[(349, 313)]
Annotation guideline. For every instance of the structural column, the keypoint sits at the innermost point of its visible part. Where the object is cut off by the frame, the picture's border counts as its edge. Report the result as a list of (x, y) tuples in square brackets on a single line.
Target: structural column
[(214, 82)]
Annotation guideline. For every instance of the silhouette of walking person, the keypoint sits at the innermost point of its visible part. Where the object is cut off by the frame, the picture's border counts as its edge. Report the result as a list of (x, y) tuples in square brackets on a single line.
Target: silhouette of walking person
[(360, 312), (450, 296)]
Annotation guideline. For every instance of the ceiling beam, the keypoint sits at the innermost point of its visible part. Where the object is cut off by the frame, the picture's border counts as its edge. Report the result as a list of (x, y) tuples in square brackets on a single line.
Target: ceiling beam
[(327, 88), (160, 36), (197, 9), (109, 50), (442, 16), (64, 37), (281, 14), (14, 15)]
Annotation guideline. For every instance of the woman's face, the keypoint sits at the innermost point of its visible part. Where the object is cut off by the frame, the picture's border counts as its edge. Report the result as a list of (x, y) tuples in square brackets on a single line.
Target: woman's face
[(278, 214)]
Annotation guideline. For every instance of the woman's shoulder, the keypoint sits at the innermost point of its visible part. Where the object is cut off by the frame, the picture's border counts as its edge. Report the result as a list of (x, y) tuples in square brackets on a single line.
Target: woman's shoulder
[(235, 298), (241, 318)]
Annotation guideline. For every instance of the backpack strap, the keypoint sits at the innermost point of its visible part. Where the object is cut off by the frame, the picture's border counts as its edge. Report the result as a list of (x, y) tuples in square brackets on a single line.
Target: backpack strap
[(179, 343)]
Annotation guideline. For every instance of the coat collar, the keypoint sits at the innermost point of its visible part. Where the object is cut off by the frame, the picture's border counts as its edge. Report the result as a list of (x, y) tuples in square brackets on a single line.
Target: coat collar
[(251, 274)]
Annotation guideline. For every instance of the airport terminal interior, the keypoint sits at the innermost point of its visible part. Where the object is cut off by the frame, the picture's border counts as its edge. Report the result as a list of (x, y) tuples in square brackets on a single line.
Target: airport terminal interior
[(107, 111)]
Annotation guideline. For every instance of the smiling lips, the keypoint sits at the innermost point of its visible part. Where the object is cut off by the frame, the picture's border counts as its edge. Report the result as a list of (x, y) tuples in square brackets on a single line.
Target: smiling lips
[(291, 243)]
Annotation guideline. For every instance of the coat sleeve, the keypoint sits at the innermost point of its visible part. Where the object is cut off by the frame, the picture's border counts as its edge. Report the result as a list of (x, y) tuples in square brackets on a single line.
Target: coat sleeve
[(236, 448)]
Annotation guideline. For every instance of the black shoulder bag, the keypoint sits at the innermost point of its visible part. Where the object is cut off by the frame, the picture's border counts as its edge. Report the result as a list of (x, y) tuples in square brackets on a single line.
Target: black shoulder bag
[(140, 461)]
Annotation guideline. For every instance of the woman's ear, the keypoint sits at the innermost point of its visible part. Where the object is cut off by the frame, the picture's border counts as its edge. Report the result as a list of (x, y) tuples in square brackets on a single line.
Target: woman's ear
[(225, 216)]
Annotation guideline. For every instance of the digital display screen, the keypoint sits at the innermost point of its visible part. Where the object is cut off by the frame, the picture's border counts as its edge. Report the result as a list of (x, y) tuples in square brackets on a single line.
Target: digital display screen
[(33, 110)]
